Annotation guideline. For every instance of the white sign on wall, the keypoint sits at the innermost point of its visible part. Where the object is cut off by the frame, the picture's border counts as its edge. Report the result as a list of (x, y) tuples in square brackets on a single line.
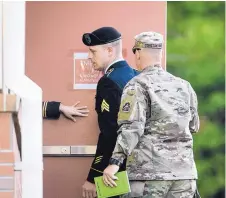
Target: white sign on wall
[(85, 77)]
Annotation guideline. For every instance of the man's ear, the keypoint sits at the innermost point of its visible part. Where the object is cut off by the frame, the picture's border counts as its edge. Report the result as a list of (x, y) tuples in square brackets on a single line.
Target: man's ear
[(137, 54), (110, 50)]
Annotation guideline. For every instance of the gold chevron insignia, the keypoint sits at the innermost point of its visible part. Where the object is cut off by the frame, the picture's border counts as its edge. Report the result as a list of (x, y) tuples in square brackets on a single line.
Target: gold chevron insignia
[(104, 106), (98, 159)]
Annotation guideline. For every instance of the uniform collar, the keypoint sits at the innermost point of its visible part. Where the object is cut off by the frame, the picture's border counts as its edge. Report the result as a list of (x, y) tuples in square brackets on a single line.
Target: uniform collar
[(152, 67), (121, 59)]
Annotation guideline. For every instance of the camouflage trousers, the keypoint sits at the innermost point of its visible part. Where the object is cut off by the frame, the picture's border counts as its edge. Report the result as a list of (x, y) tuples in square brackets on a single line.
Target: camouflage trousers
[(162, 189)]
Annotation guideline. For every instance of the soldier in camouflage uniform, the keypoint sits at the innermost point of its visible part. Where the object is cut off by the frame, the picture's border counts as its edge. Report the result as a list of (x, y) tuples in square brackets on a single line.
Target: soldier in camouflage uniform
[(157, 117)]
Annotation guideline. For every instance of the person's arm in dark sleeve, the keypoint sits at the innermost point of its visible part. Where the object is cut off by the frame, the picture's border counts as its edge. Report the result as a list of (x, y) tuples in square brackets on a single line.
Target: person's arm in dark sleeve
[(51, 109), (107, 108)]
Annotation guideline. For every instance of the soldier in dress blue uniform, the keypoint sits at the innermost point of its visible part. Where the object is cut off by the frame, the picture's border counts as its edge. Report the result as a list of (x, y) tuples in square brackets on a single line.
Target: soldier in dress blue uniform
[(105, 53), (53, 110)]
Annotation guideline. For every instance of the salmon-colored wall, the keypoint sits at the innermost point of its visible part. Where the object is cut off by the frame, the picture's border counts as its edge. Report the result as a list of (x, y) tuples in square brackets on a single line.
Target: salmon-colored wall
[(53, 33)]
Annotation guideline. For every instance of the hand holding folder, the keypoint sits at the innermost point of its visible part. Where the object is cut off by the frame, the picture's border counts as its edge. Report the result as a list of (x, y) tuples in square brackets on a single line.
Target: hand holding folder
[(122, 187)]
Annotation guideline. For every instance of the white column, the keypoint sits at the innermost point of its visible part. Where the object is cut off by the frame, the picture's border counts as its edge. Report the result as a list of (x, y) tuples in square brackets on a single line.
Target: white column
[(13, 39), (31, 98)]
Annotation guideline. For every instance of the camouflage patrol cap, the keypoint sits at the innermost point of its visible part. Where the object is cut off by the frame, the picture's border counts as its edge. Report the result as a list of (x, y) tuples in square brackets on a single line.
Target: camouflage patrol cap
[(151, 40)]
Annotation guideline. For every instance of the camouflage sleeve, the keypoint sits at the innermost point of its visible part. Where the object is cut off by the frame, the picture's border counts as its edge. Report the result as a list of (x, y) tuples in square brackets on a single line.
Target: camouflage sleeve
[(194, 123), (131, 119)]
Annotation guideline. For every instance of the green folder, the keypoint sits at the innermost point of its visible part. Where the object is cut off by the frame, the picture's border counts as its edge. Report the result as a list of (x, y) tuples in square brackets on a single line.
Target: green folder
[(122, 187)]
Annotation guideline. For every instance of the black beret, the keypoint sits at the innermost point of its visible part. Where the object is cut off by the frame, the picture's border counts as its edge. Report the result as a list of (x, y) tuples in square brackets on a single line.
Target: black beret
[(101, 36)]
